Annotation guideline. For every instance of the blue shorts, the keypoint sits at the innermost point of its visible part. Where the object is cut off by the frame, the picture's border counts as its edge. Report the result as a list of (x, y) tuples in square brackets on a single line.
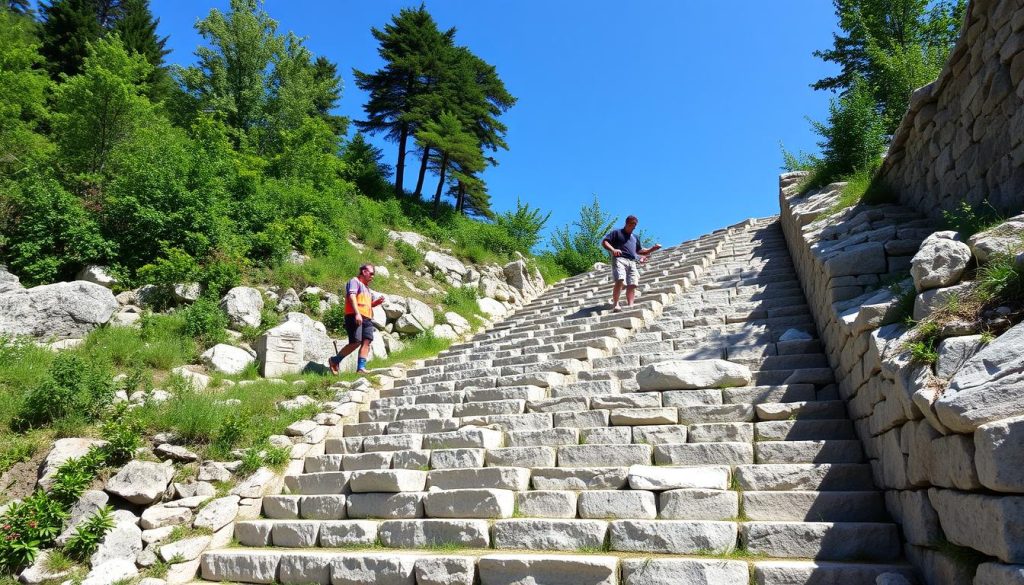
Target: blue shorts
[(358, 333)]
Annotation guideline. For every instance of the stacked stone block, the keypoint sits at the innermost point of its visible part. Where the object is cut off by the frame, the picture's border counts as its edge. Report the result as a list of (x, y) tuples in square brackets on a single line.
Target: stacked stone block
[(556, 448), (961, 140), (934, 436)]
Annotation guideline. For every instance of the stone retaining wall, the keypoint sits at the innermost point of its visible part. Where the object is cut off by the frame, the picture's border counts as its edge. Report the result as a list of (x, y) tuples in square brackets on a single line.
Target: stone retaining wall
[(946, 443), (963, 136)]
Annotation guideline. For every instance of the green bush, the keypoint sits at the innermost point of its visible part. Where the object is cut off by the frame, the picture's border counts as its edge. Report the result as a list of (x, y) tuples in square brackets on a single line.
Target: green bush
[(854, 136), (578, 246), (28, 525), (523, 226), (969, 220), (205, 321), (334, 318), (410, 257), (88, 534), (123, 432), (462, 300), (76, 388)]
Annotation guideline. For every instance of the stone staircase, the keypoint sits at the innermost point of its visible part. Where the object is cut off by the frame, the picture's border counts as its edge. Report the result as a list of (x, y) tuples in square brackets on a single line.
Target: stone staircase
[(529, 455)]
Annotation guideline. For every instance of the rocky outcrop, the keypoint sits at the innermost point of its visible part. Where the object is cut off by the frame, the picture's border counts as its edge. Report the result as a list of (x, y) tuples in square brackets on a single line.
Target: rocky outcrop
[(8, 281), (244, 306), (63, 310)]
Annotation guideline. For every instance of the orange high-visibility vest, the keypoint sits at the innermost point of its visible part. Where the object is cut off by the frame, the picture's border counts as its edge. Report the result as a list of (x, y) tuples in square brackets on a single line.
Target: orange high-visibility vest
[(364, 298)]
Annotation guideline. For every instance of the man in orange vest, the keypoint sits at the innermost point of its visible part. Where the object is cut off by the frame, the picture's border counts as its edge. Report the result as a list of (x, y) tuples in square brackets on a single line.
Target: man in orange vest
[(359, 303)]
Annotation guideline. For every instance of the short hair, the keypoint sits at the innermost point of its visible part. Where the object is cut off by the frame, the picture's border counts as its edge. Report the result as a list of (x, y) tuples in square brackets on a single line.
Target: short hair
[(365, 266), (631, 218)]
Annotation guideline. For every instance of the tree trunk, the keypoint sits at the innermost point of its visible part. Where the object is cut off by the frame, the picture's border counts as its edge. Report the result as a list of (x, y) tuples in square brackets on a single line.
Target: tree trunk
[(440, 182), (423, 171), (460, 202), (400, 165)]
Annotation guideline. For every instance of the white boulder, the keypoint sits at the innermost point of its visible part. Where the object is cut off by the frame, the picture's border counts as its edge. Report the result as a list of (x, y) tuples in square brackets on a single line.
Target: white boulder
[(227, 359), (244, 306), (940, 261)]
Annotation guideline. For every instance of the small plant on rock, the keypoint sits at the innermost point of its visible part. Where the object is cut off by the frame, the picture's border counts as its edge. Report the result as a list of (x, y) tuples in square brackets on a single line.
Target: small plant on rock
[(88, 534)]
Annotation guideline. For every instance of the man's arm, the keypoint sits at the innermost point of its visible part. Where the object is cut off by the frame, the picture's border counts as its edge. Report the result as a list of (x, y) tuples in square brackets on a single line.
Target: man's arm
[(608, 246), (653, 248), (377, 299), (352, 299)]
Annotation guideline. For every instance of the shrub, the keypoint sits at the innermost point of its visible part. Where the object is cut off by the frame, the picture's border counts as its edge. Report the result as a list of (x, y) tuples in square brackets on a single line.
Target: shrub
[(411, 257), (26, 526), (523, 225), (854, 136), (88, 534), (578, 246), (76, 388), (334, 317), (123, 432), (969, 220), (462, 300), (205, 321)]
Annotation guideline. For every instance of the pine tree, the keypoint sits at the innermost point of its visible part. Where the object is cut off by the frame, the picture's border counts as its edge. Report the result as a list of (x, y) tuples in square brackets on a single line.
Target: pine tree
[(455, 147), (894, 46), (412, 48), (68, 26), (137, 29), (325, 75)]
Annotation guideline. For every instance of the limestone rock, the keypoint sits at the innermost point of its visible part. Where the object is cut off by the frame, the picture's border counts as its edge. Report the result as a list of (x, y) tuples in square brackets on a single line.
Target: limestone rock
[(187, 292), (518, 277), (1005, 238), (123, 542), (954, 353), (186, 549), (395, 306), (990, 524), (88, 504), (458, 323), (64, 310), (316, 344), (218, 513), (195, 379), (97, 275), (244, 306), (280, 350), (8, 281), (445, 264), (38, 572), (445, 331), (111, 572), (161, 516), (227, 359), (940, 261), (692, 374), (419, 317), (999, 455), (64, 450), (989, 386), (491, 307), (141, 482)]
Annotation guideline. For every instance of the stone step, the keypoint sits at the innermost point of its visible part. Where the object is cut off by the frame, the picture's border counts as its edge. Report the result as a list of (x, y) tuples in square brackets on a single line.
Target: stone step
[(790, 572), (805, 430), (834, 506), (812, 477), (837, 451), (830, 541)]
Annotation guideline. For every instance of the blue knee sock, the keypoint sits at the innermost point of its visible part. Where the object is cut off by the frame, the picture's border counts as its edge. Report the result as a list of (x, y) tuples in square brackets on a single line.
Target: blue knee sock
[(361, 364)]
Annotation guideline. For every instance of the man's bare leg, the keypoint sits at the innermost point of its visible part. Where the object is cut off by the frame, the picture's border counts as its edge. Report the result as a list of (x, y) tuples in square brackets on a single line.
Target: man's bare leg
[(630, 294), (616, 291)]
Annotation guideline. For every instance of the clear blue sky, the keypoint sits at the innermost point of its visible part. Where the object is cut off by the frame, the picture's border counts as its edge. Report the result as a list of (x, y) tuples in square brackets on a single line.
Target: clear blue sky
[(672, 110)]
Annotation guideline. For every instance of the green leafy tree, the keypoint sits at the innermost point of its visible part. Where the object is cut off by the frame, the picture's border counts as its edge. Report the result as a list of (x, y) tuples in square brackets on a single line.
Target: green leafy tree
[(523, 225), (263, 84), (893, 45), (577, 246), (854, 136), (23, 91), (102, 107), (412, 48)]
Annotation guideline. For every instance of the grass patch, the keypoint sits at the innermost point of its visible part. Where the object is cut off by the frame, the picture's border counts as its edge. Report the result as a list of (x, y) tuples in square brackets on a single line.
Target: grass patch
[(861, 187), (462, 300), (968, 220), (1000, 281)]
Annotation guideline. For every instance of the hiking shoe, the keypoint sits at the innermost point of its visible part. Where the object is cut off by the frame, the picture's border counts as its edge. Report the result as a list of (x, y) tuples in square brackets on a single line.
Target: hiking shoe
[(334, 363), (616, 309)]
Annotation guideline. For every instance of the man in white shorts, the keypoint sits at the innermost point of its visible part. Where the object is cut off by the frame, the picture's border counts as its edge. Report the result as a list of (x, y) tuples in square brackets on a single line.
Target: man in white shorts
[(626, 253)]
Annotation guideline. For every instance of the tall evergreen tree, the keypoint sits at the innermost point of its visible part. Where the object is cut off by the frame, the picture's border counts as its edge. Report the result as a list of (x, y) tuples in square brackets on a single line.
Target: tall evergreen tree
[(137, 29), (412, 48), (68, 26), (325, 75), (455, 147), (894, 46)]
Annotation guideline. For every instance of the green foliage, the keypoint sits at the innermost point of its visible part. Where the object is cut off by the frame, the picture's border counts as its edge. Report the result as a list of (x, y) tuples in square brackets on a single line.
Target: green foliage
[(1000, 280), (334, 318), (16, 452), (123, 433), (100, 108), (264, 455), (895, 46), (523, 225), (23, 88), (462, 300), (578, 246), (88, 534), (853, 137), (205, 321), (923, 351), (50, 231), (969, 220), (76, 387), (27, 526), (550, 269), (411, 257)]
